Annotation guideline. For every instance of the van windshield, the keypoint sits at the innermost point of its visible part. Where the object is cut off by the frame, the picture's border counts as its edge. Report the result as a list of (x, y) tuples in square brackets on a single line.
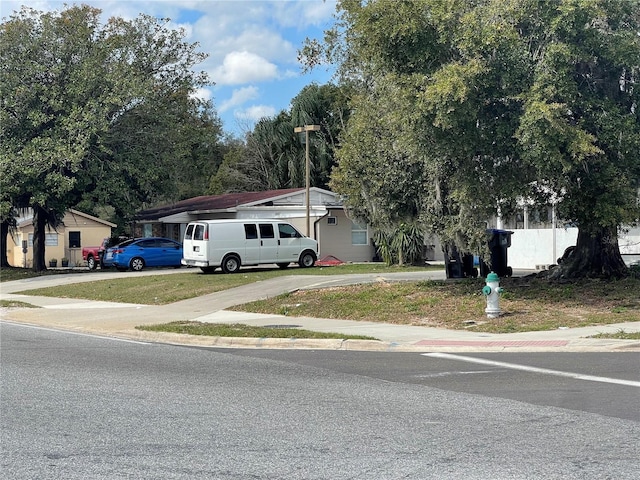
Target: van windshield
[(287, 231)]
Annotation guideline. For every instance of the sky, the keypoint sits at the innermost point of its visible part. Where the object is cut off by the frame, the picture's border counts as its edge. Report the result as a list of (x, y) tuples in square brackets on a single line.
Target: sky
[(252, 46)]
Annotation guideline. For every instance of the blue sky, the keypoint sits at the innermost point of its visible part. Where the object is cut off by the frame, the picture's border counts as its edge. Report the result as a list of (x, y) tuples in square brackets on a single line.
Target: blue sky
[(252, 46)]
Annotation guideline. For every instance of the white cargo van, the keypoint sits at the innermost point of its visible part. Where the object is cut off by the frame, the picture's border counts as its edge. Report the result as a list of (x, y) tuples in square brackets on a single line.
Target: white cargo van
[(229, 244)]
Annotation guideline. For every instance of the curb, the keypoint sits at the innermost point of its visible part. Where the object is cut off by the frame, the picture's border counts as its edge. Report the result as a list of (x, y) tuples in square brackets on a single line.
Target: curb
[(370, 345)]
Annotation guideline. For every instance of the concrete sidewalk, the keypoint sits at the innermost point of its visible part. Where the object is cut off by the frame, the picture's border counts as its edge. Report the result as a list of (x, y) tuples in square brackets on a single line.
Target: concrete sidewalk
[(119, 320)]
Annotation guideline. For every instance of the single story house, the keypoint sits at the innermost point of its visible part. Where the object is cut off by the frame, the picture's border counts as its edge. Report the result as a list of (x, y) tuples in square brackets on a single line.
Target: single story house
[(537, 241), (336, 233), (77, 230)]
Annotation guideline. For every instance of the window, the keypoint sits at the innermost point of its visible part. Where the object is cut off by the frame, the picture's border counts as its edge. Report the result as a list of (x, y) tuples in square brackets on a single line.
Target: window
[(147, 230), (266, 230), (250, 231), (358, 234), (147, 244), (189, 233), (287, 231), (50, 239), (74, 239), (332, 220), (199, 233), (168, 244)]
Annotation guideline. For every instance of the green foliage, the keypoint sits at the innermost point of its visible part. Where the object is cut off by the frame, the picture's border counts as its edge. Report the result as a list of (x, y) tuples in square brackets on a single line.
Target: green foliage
[(274, 156), (402, 245), (483, 103), (100, 115)]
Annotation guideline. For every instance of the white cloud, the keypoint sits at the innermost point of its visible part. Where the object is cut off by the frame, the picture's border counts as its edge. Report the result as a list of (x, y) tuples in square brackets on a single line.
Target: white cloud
[(302, 14), (244, 67), (202, 93), (255, 113), (239, 97)]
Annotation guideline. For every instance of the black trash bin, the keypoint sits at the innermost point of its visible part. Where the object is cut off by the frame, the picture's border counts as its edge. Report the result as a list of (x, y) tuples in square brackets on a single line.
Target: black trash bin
[(462, 269), (499, 241)]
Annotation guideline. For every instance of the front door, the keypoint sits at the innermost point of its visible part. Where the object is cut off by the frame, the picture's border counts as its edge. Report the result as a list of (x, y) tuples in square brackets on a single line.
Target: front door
[(289, 243)]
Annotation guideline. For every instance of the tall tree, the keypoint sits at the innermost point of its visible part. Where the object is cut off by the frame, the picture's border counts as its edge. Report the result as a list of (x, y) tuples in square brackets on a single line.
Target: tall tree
[(159, 152), (67, 81), (498, 100), (580, 126)]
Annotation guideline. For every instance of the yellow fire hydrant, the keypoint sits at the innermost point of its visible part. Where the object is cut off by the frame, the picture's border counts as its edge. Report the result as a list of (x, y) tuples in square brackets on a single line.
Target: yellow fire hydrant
[(492, 291)]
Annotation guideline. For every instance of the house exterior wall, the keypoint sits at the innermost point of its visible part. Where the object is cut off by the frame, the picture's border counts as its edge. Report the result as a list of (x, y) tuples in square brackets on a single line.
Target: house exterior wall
[(91, 231), (19, 259), (336, 239)]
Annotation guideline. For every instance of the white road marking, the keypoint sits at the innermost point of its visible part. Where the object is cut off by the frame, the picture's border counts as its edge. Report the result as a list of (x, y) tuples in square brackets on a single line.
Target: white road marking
[(82, 334), (526, 368)]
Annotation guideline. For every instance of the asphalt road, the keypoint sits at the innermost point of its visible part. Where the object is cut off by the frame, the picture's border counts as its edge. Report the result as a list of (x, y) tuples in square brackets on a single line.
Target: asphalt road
[(78, 406), (601, 383)]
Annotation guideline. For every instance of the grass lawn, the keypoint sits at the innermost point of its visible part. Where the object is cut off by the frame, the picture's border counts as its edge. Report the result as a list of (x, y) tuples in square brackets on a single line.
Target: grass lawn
[(190, 283), (528, 304), (246, 331), (619, 335)]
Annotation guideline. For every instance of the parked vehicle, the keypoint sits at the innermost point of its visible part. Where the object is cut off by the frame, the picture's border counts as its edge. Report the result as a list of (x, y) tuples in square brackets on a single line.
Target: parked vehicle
[(93, 255), (230, 244), (139, 253)]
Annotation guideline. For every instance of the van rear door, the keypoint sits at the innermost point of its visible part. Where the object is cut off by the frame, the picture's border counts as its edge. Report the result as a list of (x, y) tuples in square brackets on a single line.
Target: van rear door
[(195, 245)]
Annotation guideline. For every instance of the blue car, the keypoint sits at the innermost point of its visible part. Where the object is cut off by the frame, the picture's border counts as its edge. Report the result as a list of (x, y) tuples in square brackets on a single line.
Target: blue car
[(139, 253)]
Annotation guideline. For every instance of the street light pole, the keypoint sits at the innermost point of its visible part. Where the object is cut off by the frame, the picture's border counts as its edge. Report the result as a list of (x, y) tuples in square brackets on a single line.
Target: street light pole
[(306, 129)]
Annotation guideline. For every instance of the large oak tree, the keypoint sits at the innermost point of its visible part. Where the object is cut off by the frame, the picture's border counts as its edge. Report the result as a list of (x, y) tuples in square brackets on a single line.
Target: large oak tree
[(466, 106), (94, 112)]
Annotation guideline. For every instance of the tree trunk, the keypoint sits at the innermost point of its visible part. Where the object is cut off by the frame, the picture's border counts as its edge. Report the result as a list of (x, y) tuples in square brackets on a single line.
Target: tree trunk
[(4, 233), (597, 255), (39, 224)]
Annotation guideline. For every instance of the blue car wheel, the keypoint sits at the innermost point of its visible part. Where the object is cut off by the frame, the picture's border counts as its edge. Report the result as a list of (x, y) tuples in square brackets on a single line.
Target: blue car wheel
[(136, 264)]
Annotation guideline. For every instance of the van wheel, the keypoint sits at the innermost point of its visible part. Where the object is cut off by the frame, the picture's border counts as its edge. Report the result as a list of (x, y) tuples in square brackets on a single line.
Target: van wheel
[(208, 269), (307, 259), (231, 264), (137, 264), (283, 265), (91, 262)]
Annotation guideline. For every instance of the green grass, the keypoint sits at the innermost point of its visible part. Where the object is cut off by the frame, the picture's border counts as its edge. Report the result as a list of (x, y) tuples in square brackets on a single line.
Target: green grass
[(13, 273), (16, 304), (619, 335), (245, 331), (164, 289), (527, 305)]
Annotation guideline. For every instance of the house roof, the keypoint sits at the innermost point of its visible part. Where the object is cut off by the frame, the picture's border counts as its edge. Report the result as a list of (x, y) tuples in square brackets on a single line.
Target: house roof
[(91, 217), (216, 202), (28, 220)]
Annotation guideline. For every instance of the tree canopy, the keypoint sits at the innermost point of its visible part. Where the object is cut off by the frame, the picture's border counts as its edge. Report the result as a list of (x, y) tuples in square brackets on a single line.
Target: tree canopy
[(100, 114), (463, 108)]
